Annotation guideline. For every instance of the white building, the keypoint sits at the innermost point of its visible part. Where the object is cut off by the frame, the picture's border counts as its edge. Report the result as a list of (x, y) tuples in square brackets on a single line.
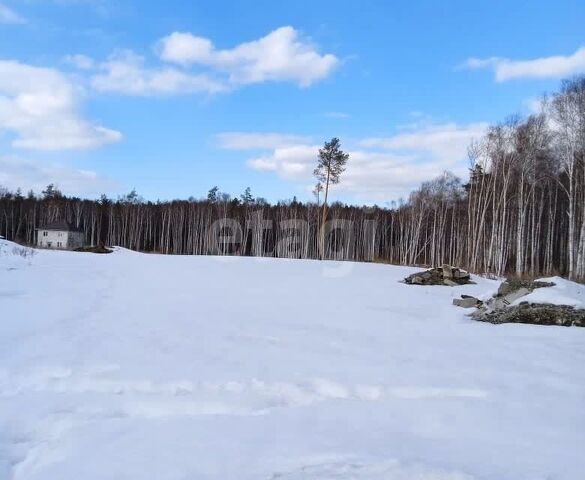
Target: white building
[(60, 235)]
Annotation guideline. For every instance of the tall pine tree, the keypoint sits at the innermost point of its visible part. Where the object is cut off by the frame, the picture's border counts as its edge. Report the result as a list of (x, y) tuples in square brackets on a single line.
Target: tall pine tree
[(330, 166)]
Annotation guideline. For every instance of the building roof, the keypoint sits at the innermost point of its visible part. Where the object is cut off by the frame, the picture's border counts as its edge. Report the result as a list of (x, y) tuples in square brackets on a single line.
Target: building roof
[(60, 225)]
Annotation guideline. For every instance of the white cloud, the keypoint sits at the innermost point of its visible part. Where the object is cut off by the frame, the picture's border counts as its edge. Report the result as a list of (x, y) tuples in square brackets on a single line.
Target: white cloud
[(16, 172), (125, 72), (82, 62), (442, 142), (370, 176), (557, 66), (279, 56), (257, 141), (386, 176), (185, 48), (380, 168), (40, 107), (292, 162), (9, 16)]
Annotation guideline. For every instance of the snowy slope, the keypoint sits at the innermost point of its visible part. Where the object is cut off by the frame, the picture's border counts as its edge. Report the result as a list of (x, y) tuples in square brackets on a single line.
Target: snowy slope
[(130, 366)]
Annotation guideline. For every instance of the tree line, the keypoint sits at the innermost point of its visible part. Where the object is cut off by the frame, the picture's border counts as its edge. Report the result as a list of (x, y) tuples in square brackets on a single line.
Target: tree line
[(521, 211)]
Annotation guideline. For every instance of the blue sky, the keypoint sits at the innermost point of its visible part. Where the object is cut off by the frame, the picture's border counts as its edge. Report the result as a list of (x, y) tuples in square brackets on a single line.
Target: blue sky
[(172, 98)]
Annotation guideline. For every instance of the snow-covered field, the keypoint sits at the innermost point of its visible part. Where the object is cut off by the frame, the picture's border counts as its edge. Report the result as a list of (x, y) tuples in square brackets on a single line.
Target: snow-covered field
[(133, 366)]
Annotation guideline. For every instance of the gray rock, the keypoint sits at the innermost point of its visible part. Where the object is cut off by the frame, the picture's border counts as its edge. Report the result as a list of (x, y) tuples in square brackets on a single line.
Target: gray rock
[(505, 288), (460, 274), (515, 295), (496, 303), (447, 271), (449, 283), (514, 284), (501, 302), (466, 302)]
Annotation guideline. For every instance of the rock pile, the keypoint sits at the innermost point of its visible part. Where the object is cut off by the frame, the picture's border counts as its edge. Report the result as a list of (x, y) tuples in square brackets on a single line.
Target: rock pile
[(499, 308), (445, 275), (508, 292), (534, 313)]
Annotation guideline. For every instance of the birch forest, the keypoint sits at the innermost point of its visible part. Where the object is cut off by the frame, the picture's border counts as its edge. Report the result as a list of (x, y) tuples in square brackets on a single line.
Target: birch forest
[(520, 211)]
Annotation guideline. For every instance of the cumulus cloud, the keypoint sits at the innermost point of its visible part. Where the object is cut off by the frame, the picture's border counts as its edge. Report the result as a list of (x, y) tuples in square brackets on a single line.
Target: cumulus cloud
[(386, 176), (442, 142), (199, 67), (282, 55), (557, 66), (380, 168), (370, 176), (40, 107), (9, 16), (185, 48), (17, 172), (125, 72), (292, 162)]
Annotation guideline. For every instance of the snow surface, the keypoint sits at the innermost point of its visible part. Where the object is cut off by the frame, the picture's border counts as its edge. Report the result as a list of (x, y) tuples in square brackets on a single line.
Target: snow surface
[(131, 366), (563, 292)]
